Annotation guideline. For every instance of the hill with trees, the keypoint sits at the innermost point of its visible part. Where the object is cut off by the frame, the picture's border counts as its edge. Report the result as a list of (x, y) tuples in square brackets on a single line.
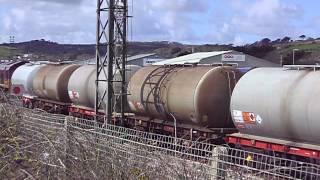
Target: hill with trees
[(307, 50)]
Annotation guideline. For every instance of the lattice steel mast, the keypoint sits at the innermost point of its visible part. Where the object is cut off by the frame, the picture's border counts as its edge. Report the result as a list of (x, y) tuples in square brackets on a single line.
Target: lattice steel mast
[(111, 54)]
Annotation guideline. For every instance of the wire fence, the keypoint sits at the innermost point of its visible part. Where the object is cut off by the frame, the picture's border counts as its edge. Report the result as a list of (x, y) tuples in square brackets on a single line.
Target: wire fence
[(65, 147)]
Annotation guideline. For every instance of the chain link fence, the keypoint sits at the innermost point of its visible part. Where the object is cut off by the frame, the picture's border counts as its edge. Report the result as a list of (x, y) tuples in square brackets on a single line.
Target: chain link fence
[(64, 147)]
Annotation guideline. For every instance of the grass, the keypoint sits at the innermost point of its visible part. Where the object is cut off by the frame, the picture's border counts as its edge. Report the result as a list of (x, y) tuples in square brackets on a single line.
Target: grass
[(308, 47), (6, 51)]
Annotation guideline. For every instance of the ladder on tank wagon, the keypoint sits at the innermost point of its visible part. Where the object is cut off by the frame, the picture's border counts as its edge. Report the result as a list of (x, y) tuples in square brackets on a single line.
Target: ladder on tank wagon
[(155, 80)]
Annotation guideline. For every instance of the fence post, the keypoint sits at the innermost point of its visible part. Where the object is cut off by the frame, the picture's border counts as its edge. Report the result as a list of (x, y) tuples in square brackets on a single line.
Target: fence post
[(66, 147), (218, 168)]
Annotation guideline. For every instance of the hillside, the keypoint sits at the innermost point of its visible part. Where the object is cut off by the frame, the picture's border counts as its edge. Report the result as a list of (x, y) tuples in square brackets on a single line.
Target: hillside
[(7, 51), (308, 53)]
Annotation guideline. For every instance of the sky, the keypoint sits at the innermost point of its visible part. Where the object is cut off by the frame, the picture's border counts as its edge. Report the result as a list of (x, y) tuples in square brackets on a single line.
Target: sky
[(235, 22)]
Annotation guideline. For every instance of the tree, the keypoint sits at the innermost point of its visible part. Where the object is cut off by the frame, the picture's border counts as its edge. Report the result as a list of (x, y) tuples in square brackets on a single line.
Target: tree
[(255, 49), (276, 41), (310, 39), (264, 42), (302, 37), (285, 39), (183, 53)]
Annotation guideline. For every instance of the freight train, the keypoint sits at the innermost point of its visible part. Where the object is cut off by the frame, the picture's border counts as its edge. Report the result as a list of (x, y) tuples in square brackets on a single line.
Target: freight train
[(269, 109)]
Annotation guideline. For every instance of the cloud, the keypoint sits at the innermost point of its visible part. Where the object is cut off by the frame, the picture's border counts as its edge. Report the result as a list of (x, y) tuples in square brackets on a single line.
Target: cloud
[(73, 21), (181, 6), (44, 1), (312, 27), (244, 21), (316, 21), (163, 20), (53, 20), (271, 18), (187, 21), (221, 30)]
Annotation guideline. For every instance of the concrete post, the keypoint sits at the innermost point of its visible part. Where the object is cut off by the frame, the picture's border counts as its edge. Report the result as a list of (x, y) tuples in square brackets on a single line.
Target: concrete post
[(218, 169)]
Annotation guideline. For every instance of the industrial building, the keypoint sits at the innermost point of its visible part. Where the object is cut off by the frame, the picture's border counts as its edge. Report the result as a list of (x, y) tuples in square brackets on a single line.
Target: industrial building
[(238, 59), (144, 59), (140, 60)]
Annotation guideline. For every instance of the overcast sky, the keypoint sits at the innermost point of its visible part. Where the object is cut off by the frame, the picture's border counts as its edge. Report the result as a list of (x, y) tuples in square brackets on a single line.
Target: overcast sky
[(186, 21)]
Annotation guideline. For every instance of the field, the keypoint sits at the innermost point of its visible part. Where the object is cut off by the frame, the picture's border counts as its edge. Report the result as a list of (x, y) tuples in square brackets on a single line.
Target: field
[(306, 47), (6, 51)]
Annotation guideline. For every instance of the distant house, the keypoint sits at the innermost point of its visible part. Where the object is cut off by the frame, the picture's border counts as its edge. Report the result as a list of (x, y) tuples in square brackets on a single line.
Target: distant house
[(143, 59), (235, 58)]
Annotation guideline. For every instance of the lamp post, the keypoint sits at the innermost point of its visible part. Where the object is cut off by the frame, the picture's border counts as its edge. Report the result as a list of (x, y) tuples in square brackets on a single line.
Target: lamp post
[(293, 55)]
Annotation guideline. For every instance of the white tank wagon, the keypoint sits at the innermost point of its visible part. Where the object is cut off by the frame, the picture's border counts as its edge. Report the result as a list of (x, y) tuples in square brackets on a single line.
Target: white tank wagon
[(278, 103), (81, 87), (24, 76), (51, 82)]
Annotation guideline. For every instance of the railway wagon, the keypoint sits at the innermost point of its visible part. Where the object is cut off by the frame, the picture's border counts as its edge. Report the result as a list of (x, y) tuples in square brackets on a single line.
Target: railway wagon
[(191, 96), (271, 108), (81, 89), (24, 76), (7, 68), (45, 86), (278, 109)]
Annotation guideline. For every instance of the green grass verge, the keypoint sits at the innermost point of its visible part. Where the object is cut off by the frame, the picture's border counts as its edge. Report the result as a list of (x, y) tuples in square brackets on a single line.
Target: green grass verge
[(307, 47), (6, 51)]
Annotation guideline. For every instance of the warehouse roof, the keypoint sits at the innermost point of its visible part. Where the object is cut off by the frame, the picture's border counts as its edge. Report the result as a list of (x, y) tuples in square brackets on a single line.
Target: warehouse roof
[(205, 58), (131, 58), (191, 58), (139, 56)]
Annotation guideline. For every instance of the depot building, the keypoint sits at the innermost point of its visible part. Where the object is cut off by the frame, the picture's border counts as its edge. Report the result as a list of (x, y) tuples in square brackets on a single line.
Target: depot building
[(231, 57)]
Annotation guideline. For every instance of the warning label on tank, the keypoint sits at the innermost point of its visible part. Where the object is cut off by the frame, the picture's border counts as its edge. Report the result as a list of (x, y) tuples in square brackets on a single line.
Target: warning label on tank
[(73, 95), (237, 116), (258, 119), (249, 117), (139, 106), (242, 117)]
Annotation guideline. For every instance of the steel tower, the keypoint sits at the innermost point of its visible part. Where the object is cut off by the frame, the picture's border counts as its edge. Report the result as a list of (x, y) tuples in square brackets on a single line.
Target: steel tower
[(111, 54)]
